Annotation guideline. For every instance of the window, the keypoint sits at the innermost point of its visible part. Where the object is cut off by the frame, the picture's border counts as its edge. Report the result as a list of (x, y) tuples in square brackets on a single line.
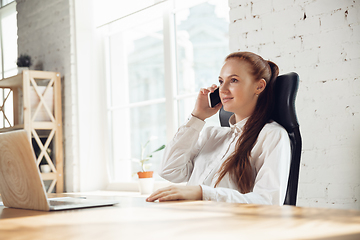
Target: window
[(8, 40), (6, 2), (157, 60), (8, 56)]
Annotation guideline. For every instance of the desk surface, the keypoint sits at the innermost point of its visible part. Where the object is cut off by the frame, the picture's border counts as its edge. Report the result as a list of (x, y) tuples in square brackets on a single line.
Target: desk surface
[(134, 218)]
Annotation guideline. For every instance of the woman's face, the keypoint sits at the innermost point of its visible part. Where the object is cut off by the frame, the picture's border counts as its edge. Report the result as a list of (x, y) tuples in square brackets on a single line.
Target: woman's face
[(238, 89)]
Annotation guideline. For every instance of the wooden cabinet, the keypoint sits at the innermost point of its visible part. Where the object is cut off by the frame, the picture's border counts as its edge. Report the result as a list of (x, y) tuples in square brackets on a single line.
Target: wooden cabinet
[(31, 100)]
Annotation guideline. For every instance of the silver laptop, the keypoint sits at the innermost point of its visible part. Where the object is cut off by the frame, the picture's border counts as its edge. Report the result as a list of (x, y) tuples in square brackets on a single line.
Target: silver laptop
[(20, 182)]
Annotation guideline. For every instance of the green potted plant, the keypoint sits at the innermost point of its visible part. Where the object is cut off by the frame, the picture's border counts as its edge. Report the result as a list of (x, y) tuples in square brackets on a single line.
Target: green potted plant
[(23, 62), (146, 180)]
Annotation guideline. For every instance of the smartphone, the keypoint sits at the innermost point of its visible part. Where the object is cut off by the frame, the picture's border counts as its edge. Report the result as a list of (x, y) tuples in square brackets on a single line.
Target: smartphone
[(214, 98)]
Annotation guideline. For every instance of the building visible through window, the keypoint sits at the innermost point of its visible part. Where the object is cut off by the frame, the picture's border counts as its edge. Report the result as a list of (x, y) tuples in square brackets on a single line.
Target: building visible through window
[(201, 40)]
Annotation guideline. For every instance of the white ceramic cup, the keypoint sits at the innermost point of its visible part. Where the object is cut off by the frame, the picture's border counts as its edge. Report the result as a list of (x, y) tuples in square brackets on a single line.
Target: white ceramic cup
[(45, 168)]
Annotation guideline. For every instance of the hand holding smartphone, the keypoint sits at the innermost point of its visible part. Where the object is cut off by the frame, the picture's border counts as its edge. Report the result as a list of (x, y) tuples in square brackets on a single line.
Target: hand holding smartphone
[(214, 98), (203, 110)]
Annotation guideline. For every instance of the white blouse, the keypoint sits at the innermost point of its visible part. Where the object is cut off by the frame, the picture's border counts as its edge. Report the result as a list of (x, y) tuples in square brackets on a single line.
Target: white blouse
[(196, 158)]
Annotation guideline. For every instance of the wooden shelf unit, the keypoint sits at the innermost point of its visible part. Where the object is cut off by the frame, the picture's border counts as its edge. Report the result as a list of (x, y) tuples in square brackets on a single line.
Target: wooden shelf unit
[(32, 110)]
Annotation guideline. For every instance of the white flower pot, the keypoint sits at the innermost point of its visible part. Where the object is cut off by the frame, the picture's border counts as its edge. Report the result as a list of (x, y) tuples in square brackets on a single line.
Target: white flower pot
[(146, 185), (45, 168), (21, 69)]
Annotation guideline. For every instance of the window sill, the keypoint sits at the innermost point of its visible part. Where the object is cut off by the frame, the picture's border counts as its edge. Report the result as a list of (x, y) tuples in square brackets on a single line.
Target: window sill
[(134, 187)]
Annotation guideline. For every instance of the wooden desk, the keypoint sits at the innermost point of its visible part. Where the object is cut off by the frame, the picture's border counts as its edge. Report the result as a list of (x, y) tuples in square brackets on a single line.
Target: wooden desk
[(134, 218)]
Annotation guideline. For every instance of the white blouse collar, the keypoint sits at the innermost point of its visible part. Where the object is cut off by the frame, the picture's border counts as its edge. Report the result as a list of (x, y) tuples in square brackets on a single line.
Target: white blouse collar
[(238, 127)]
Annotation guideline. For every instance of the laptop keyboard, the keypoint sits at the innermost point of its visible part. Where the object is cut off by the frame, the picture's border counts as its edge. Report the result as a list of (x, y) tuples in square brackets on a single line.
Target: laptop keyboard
[(72, 203), (63, 203)]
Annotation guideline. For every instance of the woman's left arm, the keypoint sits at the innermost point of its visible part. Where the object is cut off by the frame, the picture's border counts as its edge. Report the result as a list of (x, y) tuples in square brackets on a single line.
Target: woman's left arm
[(272, 167)]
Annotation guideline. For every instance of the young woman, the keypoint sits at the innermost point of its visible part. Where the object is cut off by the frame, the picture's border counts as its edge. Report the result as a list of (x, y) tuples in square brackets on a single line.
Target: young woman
[(246, 163)]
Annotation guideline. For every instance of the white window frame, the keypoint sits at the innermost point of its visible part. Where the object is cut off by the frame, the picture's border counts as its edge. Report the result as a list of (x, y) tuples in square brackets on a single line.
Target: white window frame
[(170, 74), (5, 10)]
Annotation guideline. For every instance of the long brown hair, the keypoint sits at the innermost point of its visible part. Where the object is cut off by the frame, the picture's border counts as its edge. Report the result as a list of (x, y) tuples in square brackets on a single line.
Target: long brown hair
[(238, 165)]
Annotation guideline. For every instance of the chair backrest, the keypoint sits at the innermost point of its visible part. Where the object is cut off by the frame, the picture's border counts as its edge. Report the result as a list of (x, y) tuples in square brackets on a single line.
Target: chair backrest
[(285, 89)]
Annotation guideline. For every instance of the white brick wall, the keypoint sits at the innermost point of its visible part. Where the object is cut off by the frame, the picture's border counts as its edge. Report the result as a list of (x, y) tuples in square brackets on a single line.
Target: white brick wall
[(44, 32), (324, 49), (61, 35)]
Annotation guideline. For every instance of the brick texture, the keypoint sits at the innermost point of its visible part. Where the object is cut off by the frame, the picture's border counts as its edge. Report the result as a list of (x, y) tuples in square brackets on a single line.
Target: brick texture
[(45, 33), (320, 40)]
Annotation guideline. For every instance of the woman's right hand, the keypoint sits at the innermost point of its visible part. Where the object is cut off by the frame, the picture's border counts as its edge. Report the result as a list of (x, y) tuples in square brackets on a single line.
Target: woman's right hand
[(202, 110)]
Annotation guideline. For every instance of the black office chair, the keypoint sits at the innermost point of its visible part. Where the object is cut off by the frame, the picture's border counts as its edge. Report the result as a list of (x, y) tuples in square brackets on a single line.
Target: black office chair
[(285, 89)]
